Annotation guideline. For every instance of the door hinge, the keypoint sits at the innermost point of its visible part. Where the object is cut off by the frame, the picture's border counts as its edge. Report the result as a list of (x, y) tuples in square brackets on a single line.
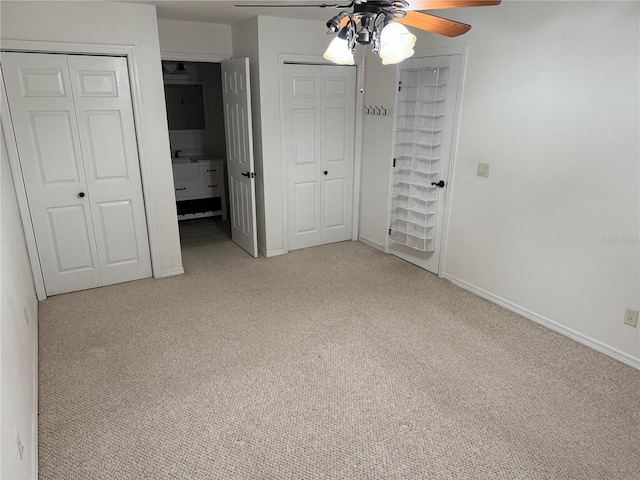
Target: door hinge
[(389, 231), (394, 163), (399, 86)]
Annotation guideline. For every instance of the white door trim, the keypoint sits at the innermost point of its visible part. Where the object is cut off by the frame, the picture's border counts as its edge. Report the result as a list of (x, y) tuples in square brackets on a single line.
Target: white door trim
[(437, 52), (193, 57), (128, 51), (357, 152), (462, 51)]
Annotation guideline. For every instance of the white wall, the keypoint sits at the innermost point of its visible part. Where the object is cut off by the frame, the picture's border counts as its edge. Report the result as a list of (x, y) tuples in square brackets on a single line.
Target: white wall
[(550, 100), (377, 151), (18, 339), (118, 24), (178, 36)]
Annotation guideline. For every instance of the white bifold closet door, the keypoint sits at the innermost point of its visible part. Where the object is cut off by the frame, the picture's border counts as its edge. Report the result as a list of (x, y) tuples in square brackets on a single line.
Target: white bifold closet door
[(319, 118), (74, 127)]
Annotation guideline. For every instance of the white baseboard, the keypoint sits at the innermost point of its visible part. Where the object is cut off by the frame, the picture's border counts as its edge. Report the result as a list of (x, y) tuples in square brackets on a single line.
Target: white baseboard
[(371, 243), (547, 322), (171, 273), (270, 253)]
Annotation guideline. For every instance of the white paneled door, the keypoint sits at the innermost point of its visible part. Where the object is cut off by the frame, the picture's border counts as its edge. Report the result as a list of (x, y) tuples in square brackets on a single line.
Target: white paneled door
[(424, 123), (73, 123), (236, 97), (319, 103)]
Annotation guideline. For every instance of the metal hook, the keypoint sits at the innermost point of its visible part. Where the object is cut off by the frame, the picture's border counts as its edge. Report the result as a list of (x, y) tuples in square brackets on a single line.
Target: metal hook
[(384, 111), (366, 110), (377, 110)]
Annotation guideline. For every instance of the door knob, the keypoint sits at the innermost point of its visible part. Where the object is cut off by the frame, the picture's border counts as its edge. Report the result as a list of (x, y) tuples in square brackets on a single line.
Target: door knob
[(326, 172), (439, 184), (81, 194), (245, 174)]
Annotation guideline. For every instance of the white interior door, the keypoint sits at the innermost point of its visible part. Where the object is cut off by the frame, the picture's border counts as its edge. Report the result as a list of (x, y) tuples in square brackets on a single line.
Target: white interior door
[(319, 119), (107, 137), (80, 168), (425, 112), (236, 97)]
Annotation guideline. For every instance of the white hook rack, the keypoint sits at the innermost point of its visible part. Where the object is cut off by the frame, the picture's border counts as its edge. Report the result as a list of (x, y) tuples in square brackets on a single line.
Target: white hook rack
[(377, 110)]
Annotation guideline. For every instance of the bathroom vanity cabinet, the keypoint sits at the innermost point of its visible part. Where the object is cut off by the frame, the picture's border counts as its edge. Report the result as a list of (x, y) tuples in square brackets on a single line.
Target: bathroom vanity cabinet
[(199, 187)]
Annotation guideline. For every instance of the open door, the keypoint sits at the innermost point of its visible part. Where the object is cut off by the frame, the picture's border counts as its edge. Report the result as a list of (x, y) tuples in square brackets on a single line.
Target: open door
[(236, 97), (426, 107)]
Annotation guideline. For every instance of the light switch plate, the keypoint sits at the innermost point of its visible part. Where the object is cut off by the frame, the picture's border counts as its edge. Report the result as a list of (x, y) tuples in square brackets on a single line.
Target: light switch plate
[(483, 169)]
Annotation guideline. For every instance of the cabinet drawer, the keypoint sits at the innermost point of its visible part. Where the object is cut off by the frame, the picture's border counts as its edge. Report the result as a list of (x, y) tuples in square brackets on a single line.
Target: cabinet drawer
[(186, 170), (189, 188), (213, 186), (212, 170)]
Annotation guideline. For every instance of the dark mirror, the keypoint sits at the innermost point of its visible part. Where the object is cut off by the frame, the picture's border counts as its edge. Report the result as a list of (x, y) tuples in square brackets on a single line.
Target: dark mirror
[(185, 106)]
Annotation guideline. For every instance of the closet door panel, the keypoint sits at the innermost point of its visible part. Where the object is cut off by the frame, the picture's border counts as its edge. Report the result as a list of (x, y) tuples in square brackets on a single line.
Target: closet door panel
[(118, 224), (107, 136), (303, 151), (338, 114), (45, 127)]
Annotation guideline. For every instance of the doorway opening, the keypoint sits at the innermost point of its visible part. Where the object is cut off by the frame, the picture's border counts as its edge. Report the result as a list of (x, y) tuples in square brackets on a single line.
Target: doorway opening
[(193, 94)]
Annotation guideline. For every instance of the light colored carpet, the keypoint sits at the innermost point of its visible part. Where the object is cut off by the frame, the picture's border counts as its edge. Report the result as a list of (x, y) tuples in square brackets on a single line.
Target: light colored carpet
[(335, 362)]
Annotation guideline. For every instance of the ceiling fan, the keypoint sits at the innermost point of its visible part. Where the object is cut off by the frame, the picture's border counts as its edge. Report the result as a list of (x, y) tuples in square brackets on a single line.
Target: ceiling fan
[(376, 23)]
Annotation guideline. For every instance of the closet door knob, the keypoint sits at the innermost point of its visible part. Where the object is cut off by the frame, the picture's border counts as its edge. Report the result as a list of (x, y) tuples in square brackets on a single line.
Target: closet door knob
[(81, 194), (326, 172), (439, 184)]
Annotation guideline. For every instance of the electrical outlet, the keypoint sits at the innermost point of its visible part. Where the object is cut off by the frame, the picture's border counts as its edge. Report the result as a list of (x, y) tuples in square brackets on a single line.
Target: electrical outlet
[(483, 169), (19, 444), (26, 316), (631, 317)]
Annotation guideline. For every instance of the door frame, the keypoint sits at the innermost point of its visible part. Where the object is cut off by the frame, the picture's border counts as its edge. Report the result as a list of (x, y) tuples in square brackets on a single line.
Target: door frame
[(439, 52), (126, 51), (199, 58), (357, 144)]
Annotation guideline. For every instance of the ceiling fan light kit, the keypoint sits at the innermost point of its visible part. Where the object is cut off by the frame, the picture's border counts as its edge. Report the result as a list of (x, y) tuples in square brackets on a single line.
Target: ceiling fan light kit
[(378, 23), (367, 25), (339, 51), (396, 44)]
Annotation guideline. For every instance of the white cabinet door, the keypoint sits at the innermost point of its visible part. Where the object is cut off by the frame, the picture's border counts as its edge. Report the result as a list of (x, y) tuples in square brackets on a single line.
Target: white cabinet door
[(319, 103), (236, 98), (73, 123)]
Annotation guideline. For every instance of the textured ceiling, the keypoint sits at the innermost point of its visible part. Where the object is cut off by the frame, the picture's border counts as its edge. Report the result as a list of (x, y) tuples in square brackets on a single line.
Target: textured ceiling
[(215, 11)]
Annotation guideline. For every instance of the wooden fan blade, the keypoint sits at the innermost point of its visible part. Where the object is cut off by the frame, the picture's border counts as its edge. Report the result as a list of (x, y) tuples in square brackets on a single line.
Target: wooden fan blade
[(431, 23), (444, 4)]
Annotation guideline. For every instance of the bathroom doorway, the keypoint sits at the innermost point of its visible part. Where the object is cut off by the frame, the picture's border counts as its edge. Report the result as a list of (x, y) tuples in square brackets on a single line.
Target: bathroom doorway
[(193, 94)]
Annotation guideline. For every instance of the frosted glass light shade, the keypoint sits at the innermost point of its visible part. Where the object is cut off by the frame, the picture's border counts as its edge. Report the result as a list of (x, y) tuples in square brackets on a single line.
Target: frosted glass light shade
[(339, 52), (396, 43)]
